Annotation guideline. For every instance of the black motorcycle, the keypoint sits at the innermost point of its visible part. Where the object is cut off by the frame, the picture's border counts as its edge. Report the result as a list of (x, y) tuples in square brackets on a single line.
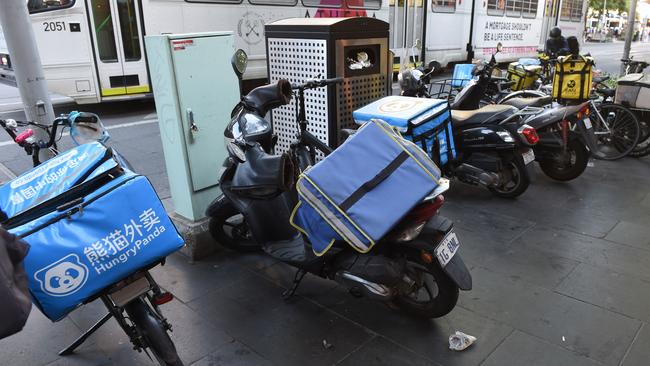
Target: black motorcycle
[(415, 267), (493, 145)]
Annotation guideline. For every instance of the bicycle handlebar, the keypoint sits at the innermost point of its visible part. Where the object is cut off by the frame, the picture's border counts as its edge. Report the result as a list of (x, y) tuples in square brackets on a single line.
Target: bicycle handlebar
[(313, 84)]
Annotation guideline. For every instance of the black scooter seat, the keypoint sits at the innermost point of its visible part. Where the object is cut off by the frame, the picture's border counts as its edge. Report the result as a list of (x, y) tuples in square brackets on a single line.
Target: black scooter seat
[(521, 102), (294, 251), (486, 114)]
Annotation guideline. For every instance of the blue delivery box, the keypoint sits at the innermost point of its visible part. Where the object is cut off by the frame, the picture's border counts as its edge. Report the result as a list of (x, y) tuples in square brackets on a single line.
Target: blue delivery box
[(89, 222), (424, 121)]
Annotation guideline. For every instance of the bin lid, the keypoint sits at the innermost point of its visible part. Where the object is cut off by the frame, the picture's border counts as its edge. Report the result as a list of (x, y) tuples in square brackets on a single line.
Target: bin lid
[(358, 26)]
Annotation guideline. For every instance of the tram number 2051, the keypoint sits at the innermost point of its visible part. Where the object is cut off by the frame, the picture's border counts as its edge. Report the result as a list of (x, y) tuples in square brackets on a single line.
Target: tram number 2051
[(54, 26)]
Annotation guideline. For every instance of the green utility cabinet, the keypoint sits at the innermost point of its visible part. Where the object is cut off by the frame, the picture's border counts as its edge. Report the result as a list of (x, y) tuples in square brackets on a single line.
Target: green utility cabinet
[(195, 89)]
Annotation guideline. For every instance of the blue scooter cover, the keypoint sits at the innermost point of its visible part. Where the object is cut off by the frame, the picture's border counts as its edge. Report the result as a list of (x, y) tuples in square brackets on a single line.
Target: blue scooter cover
[(361, 190)]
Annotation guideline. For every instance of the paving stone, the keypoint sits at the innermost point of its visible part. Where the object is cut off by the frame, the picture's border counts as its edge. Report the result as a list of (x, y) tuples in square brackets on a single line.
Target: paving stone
[(39, 342), (618, 257), (523, 349), (639, 353), (254, 314), (188, 281), (83, 356), (588, 330), (541, 268), (233, 354), (608, 289), (632, 234), (428, 338), (382, 352)]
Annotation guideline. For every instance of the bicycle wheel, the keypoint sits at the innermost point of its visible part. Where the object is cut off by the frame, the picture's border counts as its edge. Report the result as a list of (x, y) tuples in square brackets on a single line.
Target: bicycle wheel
[(617, 131)]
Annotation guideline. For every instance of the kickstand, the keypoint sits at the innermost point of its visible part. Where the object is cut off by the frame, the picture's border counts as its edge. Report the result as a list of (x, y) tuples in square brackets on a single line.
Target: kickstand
[(70, 349), (288, 294)]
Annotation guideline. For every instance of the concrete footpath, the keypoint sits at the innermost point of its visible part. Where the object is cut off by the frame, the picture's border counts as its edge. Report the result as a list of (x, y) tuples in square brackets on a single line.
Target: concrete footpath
[(561, 277)]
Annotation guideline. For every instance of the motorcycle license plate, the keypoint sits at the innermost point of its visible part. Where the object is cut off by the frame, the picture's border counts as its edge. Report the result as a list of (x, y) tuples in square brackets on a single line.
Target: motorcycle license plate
[(587, 122), (447, 248), (529, 156)]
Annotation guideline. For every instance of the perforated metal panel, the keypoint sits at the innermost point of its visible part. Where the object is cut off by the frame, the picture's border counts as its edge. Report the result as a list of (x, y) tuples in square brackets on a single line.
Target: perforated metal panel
[(299, 60), (357, 92)]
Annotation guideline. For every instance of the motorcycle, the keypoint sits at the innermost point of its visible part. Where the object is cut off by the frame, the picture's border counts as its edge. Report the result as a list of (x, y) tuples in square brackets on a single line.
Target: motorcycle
[(562, 133), (493, 147), (415, 267), (134, 301)]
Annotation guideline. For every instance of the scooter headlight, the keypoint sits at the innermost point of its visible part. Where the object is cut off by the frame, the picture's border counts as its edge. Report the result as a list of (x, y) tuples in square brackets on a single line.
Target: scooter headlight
[(505, 136)]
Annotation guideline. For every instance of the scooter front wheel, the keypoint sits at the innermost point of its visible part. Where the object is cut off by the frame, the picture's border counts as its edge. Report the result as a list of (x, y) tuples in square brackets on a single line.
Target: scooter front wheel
[(229, 228)]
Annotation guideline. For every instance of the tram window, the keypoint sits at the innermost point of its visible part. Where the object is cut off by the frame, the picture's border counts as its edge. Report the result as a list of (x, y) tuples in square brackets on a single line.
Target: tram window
[(274, 2), (215, 1), (364, 4), (529, 9), (129, 28), (104, 31), (37, 6), (571, 10), (513, 8), (443, 6), (323, 3), (496, 7)]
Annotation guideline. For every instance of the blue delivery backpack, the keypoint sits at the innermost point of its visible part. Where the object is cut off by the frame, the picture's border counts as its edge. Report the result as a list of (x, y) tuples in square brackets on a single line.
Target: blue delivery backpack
[(90, 223), (357, 193), (425, 121)]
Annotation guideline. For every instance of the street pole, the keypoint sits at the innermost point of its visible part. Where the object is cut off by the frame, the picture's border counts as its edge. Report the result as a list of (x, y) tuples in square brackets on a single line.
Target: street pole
[(26, 63), (629, 34)]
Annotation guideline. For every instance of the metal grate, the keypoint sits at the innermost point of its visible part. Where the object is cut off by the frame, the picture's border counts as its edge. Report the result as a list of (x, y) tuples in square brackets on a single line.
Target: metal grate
[(299, 60), (357, 92)]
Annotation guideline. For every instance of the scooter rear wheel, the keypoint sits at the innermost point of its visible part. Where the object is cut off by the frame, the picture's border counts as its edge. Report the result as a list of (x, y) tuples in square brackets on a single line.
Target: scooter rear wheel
[(568, 165), (229, 228), (154, 333), (435, 295), (519, 179)]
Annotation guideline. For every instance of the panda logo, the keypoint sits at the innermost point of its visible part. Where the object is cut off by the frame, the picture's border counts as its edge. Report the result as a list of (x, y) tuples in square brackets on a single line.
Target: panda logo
[(63, 277)]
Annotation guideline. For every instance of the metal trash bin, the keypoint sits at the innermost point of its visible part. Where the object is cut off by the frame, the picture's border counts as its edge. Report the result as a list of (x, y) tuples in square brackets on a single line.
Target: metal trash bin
[(301, 49)]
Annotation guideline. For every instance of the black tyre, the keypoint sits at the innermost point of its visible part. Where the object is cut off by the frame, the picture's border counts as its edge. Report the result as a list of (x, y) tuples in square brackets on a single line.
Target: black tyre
[(514, 178), (617, 133), (569, 164), (435, 294), (228, 227), (154, 333)]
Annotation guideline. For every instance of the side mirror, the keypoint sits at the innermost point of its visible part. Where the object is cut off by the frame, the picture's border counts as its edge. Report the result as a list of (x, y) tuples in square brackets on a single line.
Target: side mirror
[(86, 127), (239, 62)]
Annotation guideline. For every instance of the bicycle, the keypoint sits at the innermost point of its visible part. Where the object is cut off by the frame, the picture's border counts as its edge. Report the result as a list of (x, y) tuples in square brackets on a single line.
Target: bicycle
[(133, 301)]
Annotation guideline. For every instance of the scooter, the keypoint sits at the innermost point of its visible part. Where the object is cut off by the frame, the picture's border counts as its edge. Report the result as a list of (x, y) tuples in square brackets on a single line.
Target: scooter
[(134, 301), (561, 155), (415, 267), (493, 148)]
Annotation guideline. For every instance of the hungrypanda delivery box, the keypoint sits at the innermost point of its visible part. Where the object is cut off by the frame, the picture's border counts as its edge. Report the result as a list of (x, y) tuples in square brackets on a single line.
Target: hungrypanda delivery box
[(89, 222)]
